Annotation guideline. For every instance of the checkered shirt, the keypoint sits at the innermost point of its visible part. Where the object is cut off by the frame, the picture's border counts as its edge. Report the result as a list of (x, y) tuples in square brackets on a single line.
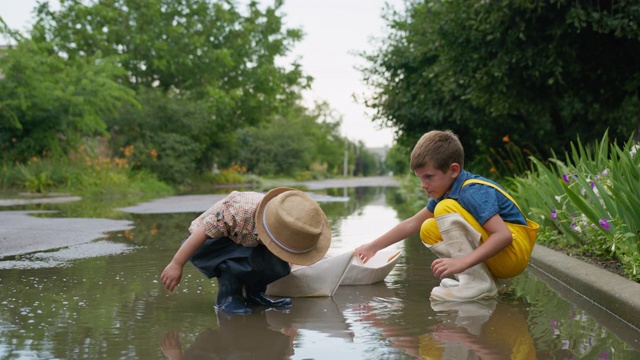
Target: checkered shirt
[(233, 217)]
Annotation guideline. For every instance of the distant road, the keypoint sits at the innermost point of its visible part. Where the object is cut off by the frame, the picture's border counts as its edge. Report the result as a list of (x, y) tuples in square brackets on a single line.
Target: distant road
[(350, 182)]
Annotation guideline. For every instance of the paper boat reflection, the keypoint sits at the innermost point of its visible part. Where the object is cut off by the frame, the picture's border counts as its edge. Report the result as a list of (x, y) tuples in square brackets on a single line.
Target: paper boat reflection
[(319, 314), (319, 279), (374, 271)]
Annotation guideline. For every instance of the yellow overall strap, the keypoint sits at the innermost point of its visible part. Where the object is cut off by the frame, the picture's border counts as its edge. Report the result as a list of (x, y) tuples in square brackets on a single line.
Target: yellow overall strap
[(478, 181), (531, 227)]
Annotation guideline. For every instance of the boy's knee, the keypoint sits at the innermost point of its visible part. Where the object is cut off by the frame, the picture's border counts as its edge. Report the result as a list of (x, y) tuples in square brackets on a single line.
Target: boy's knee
[(429, 233), (447, 206)]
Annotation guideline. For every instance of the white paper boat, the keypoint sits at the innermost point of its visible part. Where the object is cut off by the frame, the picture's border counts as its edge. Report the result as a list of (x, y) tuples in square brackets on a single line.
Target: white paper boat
[(375, 270), (319, 279)]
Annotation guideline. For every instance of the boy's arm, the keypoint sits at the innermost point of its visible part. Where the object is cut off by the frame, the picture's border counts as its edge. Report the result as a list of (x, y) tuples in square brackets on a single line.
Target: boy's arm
[(190, 246), (499, 238), (173, 272), (399, 232)]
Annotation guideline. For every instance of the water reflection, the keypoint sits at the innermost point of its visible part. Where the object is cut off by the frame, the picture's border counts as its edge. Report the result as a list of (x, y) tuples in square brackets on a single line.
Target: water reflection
[(368, 308), (113, 306), (236, 337), (478, 329), (320, 314)]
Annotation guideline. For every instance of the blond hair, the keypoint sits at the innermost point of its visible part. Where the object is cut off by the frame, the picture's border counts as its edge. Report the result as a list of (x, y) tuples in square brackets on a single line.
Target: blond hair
[(438, 149)]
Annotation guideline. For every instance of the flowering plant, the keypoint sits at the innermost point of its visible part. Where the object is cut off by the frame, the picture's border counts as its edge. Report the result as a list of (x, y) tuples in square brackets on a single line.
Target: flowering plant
[(592, 198)]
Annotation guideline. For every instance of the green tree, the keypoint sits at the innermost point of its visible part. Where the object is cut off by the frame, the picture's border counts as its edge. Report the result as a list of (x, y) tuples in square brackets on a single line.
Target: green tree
[(323, 124), (397, 160), (197, 52), (542, 72), (204, 48), (292, 143), (49, 103), (367, 163), (166, 135)]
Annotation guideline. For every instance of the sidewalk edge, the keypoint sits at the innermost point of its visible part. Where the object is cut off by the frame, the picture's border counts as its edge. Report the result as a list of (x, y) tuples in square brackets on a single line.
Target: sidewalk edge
[(612, 292)]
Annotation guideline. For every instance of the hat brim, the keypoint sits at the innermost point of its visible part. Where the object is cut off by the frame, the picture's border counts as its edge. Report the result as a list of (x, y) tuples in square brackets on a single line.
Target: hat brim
[(307, 258)]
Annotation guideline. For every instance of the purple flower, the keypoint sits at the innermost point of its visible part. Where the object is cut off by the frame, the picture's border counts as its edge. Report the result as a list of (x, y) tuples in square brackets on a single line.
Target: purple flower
[(565, 178), (604, 356), (604, 223), (593, 185), (554, 214)]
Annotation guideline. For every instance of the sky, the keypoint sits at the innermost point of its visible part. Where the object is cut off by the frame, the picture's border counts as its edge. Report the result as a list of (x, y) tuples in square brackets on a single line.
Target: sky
[(334, 31)]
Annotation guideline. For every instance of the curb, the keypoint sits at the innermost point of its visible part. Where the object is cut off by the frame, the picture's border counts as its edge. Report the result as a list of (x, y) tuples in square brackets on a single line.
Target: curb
[(609, 291)]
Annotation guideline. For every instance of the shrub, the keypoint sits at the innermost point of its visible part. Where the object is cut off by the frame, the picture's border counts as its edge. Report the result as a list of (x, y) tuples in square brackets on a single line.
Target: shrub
[(593, 198)]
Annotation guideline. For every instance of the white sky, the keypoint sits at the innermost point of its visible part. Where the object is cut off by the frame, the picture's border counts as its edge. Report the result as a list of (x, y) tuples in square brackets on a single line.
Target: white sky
[(334, 30)]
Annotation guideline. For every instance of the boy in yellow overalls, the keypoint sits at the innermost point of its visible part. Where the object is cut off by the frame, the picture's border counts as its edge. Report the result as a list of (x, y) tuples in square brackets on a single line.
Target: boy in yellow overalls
[(473, 226)]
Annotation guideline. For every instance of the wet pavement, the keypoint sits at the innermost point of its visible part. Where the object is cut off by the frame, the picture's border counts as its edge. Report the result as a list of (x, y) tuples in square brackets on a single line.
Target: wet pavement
[(21, 232)]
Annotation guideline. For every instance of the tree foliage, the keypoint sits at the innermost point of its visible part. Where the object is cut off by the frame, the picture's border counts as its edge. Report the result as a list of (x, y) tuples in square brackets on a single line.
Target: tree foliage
[(207, 49), (177, 86), (166, 134), (542, 72), (201, 69), (48, 103), (397, 160), (292, 143)]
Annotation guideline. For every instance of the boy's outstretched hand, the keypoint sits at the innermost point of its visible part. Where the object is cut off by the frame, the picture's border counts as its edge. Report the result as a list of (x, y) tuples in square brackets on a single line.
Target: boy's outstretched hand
[(171, 276), (365, 252)]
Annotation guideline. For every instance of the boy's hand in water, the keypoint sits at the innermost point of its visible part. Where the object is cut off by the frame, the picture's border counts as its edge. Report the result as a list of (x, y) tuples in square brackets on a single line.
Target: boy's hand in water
[(171, 276), (365, 252)]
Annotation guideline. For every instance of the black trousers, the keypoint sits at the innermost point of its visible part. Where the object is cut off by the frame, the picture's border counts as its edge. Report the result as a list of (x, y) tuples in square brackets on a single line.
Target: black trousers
[(254, 266)]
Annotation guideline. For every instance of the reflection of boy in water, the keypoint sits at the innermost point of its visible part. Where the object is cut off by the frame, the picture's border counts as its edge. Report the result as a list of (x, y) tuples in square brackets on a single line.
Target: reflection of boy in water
[(247, 337), (479, 331)]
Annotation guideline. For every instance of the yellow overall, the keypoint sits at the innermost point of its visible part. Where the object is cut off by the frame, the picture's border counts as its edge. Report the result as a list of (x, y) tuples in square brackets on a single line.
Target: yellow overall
[(509, 262)]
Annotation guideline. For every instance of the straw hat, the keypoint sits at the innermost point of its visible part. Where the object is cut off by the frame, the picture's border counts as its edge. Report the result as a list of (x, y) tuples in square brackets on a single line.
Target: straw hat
[(293, 226)]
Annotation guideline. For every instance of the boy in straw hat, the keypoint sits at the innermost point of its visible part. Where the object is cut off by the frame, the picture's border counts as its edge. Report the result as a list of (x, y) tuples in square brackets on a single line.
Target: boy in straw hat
[(248, 240)]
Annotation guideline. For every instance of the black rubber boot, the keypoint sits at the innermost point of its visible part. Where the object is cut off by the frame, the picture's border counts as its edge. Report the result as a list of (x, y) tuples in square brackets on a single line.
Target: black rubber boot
[(230, 299), (255, 296)]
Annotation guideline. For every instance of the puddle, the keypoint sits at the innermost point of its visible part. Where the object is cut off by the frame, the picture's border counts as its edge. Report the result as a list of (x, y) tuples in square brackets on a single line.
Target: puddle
[(105, 300)]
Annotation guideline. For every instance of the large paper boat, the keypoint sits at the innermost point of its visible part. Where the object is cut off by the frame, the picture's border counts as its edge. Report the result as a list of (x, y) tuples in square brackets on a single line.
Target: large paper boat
[(319, 279), (374, 271)]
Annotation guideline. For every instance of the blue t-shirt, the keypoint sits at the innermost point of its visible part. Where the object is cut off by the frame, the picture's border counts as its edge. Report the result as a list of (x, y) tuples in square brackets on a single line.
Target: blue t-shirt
[(481, 201)]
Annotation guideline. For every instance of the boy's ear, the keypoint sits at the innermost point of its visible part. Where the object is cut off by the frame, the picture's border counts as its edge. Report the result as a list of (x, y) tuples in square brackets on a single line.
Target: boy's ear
[(455, 169)]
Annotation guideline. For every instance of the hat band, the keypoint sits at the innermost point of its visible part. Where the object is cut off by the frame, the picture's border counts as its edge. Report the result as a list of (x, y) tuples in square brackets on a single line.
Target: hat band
[(275, 240)]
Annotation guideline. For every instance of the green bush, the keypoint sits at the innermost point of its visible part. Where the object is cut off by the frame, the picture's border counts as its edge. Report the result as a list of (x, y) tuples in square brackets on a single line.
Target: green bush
[(593, 198), (83, 175), (37, 175)]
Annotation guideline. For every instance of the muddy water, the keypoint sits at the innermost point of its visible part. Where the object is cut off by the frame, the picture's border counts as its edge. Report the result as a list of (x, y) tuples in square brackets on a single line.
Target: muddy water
[(109, 304)]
